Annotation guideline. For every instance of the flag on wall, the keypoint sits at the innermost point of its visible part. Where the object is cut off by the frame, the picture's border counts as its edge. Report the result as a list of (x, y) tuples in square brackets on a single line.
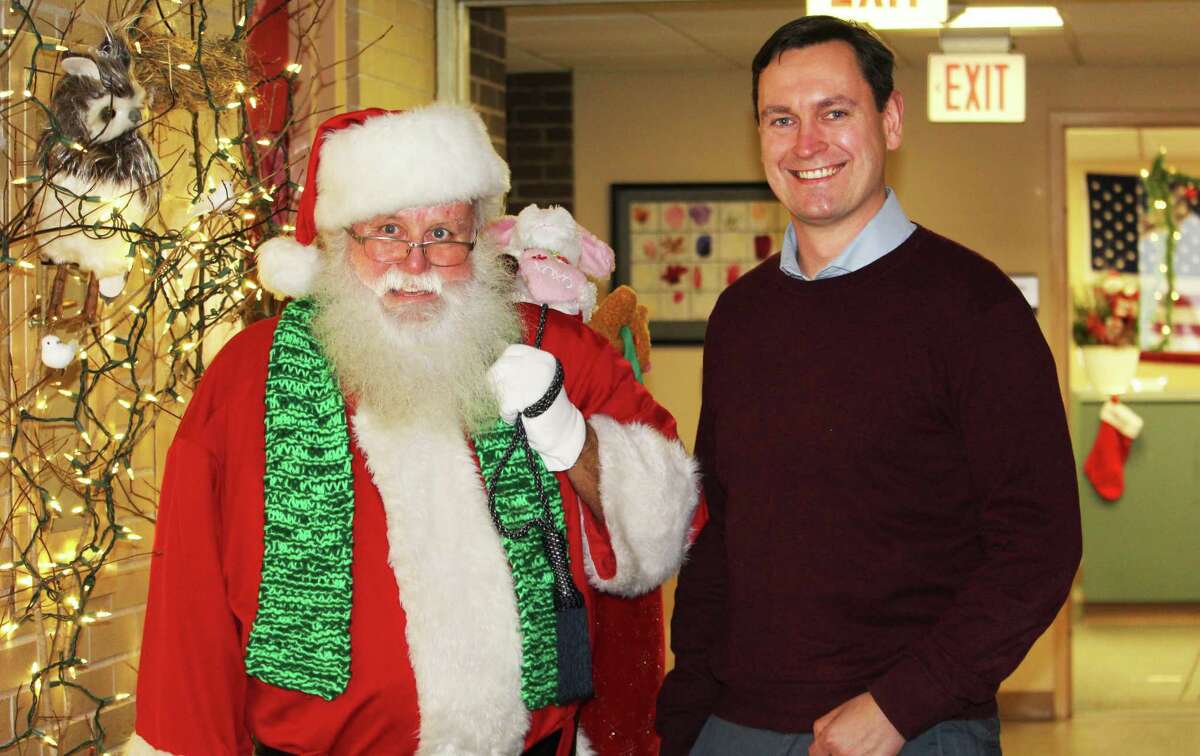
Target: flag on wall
[(1114, 208)]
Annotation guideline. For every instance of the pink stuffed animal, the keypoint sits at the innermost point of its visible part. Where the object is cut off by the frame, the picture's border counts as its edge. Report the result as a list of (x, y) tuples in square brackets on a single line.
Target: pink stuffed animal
[(554, 257)]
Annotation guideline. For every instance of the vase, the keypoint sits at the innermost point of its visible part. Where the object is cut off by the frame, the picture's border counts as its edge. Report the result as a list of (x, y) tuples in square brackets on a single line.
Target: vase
[(1110, 368)]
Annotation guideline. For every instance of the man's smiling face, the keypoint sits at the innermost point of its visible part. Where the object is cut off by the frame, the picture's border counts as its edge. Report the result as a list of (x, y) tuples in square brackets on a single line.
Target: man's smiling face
[(824, 142)]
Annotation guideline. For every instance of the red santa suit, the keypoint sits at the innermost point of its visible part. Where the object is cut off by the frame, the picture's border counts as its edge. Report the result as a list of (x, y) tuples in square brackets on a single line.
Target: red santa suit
[(435, 644), (435, 639)]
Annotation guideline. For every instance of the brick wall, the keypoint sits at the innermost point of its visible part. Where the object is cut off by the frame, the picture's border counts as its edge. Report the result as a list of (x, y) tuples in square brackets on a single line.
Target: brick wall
[(488, 70), (395, 70), (540, 140)]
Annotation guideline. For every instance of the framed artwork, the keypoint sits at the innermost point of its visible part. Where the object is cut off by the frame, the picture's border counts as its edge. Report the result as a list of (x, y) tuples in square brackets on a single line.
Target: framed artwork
[(680, 245)]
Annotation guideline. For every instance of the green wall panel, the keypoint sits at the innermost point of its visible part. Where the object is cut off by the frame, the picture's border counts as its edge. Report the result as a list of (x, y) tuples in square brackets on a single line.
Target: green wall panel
[(1144, 547)]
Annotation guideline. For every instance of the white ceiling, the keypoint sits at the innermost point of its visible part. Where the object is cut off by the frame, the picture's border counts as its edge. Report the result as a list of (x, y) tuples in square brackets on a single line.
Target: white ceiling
[(1123, 145), (716, 35)]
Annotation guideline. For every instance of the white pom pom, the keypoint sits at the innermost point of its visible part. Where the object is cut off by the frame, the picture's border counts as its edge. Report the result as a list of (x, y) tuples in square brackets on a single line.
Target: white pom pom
[(286, 267), (111, 286)]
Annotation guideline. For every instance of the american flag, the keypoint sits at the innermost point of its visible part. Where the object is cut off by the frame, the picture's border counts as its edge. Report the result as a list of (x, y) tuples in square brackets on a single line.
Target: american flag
[(1120, 242), (1114, 209)]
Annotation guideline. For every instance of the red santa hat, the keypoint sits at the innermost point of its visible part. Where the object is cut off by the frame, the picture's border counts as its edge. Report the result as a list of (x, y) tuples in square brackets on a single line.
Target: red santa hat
[(370, 162)]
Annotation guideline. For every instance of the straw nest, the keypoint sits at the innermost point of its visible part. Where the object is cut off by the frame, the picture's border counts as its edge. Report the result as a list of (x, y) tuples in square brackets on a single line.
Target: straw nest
[(223, 66)]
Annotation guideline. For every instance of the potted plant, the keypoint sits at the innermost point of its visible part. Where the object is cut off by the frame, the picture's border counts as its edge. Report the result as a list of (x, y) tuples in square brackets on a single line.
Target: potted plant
[(1106, 331)]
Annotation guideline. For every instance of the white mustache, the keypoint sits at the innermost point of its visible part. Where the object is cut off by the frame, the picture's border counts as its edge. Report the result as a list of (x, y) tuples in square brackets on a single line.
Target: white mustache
[(398, 280)]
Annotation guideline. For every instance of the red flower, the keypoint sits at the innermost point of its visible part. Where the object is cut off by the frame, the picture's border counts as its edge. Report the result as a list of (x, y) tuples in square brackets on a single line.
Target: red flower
[(1114, 329), (1107, 314), (673, 273)]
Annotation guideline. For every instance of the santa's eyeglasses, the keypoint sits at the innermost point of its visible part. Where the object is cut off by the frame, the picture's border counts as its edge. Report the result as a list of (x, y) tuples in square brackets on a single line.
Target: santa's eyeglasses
[(439, 252)]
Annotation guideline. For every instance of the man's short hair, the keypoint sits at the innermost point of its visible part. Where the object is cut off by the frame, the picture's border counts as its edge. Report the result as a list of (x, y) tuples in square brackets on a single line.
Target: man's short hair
[(875, 60)]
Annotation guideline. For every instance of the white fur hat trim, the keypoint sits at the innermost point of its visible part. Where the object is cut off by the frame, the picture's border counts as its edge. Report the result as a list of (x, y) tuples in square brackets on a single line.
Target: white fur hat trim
[(286, 267), (425, 156)]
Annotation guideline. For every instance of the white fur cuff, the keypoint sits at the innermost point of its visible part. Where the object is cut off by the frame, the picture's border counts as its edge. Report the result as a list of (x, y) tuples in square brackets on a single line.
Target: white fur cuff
[(1127, 422), (137, 746), (583, 746), (649, 489)]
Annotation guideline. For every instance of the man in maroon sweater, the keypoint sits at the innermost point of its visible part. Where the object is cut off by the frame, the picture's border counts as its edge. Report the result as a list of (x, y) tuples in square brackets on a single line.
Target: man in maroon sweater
[(894, 510)]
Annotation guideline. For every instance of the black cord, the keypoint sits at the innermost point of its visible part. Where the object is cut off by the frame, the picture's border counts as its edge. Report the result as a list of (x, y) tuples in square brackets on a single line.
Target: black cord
[(566, 595)]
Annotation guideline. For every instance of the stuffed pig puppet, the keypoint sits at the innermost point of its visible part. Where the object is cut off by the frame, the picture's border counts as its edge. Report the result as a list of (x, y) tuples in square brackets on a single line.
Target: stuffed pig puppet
[(554, 257)]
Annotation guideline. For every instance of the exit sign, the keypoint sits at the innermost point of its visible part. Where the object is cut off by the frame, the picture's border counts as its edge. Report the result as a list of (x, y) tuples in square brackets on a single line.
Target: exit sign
[(884, 14), (977, 88)]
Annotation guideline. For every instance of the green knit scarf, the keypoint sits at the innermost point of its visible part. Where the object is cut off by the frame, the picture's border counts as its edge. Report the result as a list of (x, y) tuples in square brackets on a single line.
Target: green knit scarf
[(300, 638)]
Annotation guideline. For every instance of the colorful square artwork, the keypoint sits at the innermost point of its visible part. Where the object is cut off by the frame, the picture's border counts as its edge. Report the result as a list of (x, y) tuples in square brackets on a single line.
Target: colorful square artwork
[(644, 217), (735, 216), (735, 246), (674, 217), (705, 247), (702, 305), (701, 216), (669, 305), (763, 216), (681, 252)]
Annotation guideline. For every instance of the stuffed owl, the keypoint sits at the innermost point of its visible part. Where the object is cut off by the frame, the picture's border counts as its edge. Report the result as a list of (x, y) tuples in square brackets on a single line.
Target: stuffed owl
[(98, 168), (554, 256)]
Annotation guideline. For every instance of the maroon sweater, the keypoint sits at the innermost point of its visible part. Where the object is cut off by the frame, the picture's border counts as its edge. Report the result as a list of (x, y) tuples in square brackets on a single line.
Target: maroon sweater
[(893, 497)]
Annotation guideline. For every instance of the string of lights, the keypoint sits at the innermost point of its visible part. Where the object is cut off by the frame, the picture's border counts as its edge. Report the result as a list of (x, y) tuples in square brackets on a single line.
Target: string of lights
[(1169, 193), (78, 457)]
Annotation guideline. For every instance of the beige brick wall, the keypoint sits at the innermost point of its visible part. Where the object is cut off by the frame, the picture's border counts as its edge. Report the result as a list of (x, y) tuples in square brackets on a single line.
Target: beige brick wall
[(399, 69)]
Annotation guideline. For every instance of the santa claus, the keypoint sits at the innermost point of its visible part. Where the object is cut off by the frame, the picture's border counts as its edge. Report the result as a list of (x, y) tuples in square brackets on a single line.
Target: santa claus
[(386, 513)]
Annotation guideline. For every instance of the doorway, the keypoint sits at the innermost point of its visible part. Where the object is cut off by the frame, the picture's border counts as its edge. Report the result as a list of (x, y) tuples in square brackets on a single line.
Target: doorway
[(1135, 612)]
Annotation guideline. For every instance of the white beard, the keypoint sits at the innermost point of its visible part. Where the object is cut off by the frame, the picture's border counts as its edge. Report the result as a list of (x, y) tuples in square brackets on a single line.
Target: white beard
[(428, 369)]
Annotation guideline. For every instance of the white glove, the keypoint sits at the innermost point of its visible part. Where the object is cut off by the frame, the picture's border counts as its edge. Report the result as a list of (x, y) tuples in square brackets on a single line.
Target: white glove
[(520, 378)]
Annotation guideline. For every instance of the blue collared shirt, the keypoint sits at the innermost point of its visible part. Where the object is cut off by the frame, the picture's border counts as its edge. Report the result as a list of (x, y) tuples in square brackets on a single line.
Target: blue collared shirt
[(883, 233)]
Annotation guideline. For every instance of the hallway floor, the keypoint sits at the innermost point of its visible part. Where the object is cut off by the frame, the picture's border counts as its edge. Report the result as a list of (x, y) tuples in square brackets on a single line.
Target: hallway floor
[(1136, 687), (1107, 733), (1132, 667)]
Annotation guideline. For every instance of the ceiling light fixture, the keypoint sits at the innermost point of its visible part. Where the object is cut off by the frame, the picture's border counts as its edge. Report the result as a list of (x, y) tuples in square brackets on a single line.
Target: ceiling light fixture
[(991, 42), (886, 18), (1007, 17)]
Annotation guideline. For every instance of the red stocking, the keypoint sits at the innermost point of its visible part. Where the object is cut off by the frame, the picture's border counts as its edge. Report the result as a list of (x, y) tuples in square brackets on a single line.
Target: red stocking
[(1105, 464)]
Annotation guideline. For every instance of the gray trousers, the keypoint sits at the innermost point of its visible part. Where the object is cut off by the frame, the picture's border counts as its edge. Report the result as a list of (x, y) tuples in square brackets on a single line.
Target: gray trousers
[(959, 737)]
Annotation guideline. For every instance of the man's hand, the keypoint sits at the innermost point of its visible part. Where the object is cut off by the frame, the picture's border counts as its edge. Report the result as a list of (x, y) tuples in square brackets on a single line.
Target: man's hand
[(520, 378), (856, 728)]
